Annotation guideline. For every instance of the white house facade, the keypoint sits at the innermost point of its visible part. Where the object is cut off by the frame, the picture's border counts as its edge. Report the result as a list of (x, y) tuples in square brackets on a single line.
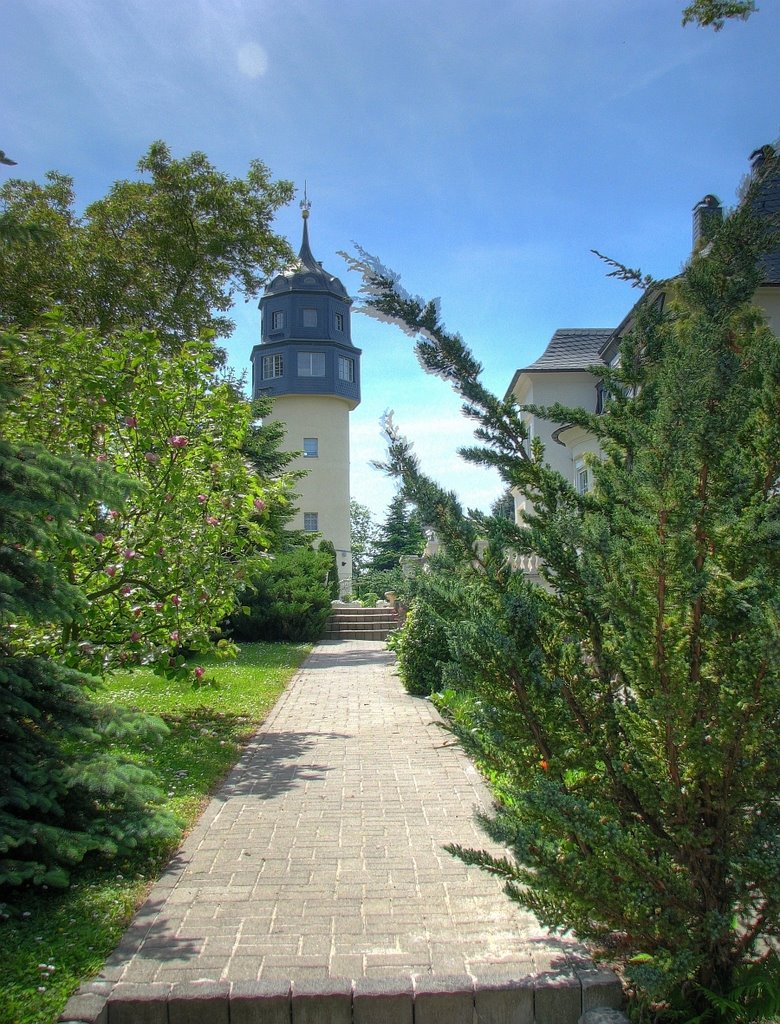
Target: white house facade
[(562, 375)]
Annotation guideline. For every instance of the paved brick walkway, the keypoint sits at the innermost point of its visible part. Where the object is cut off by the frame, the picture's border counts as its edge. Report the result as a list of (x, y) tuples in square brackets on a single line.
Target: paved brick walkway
[(320, 860)]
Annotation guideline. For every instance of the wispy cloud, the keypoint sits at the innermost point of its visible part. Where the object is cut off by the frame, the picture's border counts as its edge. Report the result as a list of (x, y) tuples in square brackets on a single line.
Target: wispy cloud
[(252, 60)]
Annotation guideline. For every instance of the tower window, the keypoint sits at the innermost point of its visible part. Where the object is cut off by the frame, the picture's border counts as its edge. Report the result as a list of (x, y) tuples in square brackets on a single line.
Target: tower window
[(273, 366), (310, 318), (311, 447), (311, 364), (339, 321), (311, 522), (346, 369), (277, 320)]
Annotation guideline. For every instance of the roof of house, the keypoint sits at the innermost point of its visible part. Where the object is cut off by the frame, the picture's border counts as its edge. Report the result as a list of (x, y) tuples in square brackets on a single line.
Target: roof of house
[(572, 348), (569, 349)]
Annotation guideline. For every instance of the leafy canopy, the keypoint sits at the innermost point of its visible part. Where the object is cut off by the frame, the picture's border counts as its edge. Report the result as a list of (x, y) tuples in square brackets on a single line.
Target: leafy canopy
[(168, 252), (165, 559)]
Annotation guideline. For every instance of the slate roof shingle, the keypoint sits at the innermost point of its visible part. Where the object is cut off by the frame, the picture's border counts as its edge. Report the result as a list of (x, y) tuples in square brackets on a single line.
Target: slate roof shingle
[(572, 348)]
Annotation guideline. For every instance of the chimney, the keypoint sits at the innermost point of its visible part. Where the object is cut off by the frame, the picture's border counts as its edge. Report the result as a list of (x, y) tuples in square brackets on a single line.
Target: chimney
[(707, 218)]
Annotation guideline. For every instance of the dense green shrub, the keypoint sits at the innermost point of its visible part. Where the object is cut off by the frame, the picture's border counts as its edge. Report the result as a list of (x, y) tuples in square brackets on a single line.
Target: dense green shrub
[(378, 583), (421, 649), (326, 547), (289, 601)]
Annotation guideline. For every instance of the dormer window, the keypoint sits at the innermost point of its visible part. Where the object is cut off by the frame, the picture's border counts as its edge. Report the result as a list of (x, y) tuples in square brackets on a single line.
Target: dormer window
[(339, 321), (277, 320), (310, 318)]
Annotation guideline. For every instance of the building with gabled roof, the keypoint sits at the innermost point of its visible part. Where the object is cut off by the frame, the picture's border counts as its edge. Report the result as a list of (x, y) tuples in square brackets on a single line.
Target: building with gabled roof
[(563, 373)]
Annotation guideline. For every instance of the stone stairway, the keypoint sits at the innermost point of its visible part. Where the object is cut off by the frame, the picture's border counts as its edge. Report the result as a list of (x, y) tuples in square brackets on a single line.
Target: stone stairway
[(350, 622)]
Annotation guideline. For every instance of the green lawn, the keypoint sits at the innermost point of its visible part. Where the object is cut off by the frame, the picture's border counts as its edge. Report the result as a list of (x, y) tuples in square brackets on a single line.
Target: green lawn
[(51, 941)]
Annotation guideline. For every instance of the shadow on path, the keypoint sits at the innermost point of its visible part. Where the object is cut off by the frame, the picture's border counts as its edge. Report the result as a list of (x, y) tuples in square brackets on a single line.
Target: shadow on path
[(272, 764), (326, 650)]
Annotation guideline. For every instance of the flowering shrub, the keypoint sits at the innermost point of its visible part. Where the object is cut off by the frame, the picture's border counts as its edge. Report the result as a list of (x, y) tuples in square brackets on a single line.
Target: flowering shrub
[(165, 563)]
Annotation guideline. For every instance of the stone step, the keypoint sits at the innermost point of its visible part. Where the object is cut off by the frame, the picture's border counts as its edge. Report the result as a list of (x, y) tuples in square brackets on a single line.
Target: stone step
[(355, 623), (344, 632)]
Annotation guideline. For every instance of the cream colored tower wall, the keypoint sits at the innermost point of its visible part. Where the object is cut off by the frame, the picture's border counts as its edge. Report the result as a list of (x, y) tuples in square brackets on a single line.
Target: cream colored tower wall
[(325, 488)]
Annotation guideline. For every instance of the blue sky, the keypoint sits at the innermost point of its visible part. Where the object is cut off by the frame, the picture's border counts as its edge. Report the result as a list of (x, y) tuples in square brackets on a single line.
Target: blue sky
[(480, 150)]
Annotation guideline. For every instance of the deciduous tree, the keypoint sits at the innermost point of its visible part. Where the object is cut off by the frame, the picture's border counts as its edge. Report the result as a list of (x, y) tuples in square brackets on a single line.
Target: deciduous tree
[(164, 563), (168, 251)]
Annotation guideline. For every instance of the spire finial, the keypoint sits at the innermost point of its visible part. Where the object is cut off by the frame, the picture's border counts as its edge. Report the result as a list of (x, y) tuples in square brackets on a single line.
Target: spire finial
[(305, 255), (305, 203)]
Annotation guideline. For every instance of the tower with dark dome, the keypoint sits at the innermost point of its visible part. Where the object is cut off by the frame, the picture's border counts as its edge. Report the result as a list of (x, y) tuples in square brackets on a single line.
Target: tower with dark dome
[(307, 363)]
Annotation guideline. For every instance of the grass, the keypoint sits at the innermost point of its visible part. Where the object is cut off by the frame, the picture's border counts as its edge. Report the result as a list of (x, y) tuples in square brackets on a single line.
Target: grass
[(53, 940)]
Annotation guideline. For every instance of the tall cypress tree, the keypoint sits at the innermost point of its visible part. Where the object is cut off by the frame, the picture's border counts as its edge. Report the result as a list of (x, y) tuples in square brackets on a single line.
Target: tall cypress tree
[(627, 713)]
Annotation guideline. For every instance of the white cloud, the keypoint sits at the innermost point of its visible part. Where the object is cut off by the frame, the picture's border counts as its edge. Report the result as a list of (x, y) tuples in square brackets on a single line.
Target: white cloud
[(436, 438), (252, 60)]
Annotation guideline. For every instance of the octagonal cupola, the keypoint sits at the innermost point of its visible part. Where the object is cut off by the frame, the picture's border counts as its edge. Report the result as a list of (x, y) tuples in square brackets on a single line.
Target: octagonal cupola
[(306, 340)]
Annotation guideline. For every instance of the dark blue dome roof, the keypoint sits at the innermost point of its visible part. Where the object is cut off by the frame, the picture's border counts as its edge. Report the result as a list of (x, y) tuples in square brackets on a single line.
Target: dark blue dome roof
[(307, 275)]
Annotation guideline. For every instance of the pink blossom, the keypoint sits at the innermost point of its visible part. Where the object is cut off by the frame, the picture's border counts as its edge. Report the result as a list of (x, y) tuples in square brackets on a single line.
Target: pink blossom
[(131, 421), (212, 520), (128, 553), (86, 647), (135, 637), (99, 537), (200, 672), (203, 498), (137, 611), (175, 599), (113, 514), (126, 591), (101, 458), (49, 518), (110, 570), (151, 457), (175, 636), (178, 441), (259, 504), (158, 606)]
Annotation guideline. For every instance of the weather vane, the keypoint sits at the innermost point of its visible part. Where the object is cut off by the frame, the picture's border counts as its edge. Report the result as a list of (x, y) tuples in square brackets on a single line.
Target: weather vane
[(305, 203)]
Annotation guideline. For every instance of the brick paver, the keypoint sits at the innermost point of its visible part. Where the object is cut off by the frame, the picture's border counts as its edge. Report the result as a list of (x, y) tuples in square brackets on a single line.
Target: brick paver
[(322, 856)]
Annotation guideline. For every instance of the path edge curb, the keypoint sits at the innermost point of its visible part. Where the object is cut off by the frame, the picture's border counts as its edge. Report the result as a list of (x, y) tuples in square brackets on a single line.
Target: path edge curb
[(577, 997)]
